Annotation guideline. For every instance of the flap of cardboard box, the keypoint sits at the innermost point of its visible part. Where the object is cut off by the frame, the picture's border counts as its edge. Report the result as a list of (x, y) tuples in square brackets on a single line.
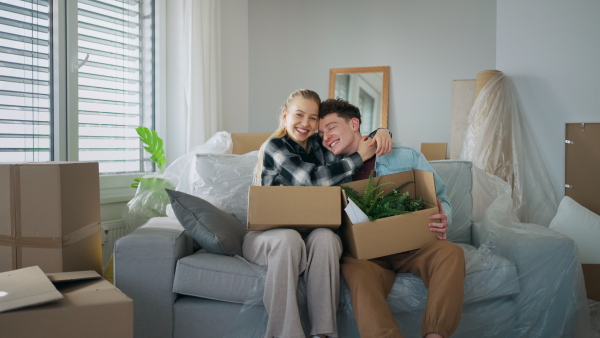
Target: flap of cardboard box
[(423, 186), (294, 207), (25, 287), (59, 277)]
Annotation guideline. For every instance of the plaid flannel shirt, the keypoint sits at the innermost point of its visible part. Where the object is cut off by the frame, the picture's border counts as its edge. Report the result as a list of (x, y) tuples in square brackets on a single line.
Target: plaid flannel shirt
[(285, 162)]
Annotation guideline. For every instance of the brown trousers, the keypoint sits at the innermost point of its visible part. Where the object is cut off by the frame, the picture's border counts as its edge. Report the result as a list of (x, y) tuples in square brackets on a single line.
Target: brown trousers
[(441, 265)]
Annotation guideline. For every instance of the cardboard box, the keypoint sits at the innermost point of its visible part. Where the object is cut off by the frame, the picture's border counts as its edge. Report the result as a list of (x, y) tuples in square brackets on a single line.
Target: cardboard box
[(87, 306), (434, 151), (247, 142), (591, 276), (50, 216), (294, 207), (390, 235)]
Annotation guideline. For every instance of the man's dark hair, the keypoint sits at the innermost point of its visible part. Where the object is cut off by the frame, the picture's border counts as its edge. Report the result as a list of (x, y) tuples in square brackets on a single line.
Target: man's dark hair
[(344, 109)]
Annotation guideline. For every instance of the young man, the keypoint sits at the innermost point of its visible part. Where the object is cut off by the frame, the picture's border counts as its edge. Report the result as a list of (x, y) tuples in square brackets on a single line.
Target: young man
[(440, 264)]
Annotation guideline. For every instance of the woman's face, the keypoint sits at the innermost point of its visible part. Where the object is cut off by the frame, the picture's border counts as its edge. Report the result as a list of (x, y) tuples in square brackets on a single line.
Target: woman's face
[(301, 120)]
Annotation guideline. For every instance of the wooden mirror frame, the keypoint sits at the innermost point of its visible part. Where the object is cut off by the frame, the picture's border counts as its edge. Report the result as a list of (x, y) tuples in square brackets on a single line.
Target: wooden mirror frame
[(384, 91)]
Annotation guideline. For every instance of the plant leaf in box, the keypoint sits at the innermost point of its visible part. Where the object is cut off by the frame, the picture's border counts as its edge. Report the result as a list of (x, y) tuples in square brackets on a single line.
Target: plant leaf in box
[(376, 205)]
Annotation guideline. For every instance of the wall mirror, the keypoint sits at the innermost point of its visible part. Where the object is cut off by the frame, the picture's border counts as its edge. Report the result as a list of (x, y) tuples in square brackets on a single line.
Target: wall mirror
[(365, 87)]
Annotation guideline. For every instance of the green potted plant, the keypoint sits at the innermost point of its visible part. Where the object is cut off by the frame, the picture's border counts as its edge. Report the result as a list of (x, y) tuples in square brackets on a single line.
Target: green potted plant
[(150, 199), (376, 205)]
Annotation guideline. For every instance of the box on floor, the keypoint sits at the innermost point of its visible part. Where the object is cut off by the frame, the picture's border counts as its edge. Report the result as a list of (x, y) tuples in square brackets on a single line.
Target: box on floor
[(50, 216), (79, 304), (314, 207)]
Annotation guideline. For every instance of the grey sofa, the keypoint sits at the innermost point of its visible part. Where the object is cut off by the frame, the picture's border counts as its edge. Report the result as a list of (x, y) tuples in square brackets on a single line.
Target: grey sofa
[(522, 280)]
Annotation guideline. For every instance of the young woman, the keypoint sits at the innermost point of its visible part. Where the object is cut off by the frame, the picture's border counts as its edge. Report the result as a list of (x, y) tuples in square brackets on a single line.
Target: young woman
[(294, 156)]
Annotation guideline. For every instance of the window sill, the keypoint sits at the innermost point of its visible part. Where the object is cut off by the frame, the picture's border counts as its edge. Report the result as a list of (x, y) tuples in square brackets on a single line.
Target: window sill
[(117, 188)]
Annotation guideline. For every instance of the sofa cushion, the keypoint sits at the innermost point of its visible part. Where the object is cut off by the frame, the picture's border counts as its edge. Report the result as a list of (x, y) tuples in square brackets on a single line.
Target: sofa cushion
[(488, 276), (232, 279), (215, 230), (218, 277), (459, 183)]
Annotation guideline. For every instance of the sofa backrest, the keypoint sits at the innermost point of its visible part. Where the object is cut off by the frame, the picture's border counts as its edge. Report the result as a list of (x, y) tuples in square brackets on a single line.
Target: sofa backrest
[(459, 182)]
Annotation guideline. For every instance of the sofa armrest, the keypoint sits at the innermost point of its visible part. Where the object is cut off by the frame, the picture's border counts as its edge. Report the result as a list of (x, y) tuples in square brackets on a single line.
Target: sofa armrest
[(551, 301), (145, 263)]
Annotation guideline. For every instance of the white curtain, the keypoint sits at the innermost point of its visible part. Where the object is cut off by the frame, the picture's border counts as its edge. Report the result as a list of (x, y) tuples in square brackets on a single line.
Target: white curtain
[(193, 71)]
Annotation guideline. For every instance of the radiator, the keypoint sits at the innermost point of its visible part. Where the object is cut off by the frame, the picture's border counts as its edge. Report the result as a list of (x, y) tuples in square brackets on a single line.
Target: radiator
[(111, 231)]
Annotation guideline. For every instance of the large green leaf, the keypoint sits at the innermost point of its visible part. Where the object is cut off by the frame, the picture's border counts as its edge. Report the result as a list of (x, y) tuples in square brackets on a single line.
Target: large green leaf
[(154, 146)]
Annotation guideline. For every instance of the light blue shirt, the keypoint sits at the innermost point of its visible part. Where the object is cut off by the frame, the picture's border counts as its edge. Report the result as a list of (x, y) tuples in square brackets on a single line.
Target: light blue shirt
[(402, 159)]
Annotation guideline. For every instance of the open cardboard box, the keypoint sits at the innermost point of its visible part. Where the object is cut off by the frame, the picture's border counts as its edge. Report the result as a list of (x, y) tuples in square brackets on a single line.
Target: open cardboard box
[(323, 207), (298, 208), (66, 304), (395, 234)]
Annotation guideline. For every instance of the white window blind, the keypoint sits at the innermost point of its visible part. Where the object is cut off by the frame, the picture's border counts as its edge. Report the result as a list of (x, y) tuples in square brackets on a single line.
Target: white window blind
[(25, 77), (115, 50)]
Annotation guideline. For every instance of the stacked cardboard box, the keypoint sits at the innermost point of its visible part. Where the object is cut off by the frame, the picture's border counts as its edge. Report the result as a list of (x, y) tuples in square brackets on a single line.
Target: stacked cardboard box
[(323, 207), (50, 216), (66, 304)]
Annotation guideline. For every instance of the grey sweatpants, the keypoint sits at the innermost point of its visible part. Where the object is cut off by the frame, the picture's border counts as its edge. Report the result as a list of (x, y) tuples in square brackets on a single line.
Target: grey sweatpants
[(286, 255)]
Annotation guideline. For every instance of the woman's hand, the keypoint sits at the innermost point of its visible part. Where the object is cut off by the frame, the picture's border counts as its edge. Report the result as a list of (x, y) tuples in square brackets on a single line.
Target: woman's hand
[(383, 141), (365, 149)]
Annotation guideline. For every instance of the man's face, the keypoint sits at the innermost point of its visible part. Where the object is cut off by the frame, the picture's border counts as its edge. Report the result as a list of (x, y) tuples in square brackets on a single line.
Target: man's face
[(338, 134)]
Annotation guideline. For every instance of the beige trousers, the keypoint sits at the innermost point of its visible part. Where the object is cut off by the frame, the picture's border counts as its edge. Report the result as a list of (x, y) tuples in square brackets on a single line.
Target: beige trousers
[(286, 255), (441, 266)]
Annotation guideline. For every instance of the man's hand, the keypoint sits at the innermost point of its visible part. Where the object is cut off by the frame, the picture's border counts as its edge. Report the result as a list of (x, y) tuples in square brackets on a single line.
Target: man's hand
[(364, 149), (383, 140), (442, 222)]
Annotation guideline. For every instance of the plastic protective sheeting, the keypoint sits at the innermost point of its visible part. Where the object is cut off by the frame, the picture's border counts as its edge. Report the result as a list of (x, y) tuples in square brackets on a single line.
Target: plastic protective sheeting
[(150, 199), (523, 279), (499, 142), (595, 317), (221, 180)]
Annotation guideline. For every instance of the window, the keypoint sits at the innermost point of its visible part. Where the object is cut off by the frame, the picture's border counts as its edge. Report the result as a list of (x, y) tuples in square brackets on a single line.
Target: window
[(53, 108), (25, 92), (115, 83)]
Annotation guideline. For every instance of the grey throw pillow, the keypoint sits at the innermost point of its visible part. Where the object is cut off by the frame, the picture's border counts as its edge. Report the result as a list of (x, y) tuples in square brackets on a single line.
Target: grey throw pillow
[(215, 230)]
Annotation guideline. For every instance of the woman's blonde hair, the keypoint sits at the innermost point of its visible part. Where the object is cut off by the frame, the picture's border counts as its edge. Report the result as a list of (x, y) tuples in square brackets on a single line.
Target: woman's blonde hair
[(281, 131)]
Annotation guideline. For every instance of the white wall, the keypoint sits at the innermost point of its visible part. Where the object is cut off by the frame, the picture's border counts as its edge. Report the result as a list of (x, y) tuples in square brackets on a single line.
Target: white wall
[(427, 43), (551, 50), (234, 65)]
